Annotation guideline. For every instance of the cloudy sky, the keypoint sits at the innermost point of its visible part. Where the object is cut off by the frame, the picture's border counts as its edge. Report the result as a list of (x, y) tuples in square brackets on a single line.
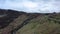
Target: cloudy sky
[(39, 6)]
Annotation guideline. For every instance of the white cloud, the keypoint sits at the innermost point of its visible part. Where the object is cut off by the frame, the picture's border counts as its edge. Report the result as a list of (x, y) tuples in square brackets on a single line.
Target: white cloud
[(32, 5)]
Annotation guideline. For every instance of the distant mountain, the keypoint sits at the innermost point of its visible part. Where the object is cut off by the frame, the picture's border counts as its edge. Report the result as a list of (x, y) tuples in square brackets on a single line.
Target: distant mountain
[(19, 22)]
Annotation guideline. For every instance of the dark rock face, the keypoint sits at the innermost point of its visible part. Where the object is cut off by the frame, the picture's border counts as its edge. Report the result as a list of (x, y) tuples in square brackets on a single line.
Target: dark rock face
[(7, 16)]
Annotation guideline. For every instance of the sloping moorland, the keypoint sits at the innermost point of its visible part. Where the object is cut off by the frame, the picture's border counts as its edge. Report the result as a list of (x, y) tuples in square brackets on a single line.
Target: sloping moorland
[(14, 22)]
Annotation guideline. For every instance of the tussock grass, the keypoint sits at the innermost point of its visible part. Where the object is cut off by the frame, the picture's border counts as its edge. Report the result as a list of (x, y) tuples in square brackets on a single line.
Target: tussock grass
[(41, 25)]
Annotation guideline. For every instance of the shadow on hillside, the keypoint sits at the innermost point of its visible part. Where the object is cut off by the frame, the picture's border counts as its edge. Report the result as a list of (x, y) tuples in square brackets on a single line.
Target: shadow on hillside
[(7, 16)]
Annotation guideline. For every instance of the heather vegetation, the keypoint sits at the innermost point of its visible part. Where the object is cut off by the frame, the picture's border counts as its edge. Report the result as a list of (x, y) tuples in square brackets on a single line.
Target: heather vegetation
[(49, 24), (29, 23)]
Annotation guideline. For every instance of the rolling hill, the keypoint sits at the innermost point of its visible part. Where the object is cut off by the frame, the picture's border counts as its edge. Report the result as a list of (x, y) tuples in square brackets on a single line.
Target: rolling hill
[(15, 22)]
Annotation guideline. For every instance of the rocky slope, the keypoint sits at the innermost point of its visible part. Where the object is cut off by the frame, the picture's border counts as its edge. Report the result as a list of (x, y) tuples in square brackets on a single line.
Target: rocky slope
[(14, 22)]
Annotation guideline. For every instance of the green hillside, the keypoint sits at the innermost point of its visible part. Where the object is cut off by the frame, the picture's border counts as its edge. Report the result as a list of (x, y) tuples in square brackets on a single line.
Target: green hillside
[(29, 23), (45, 24)]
